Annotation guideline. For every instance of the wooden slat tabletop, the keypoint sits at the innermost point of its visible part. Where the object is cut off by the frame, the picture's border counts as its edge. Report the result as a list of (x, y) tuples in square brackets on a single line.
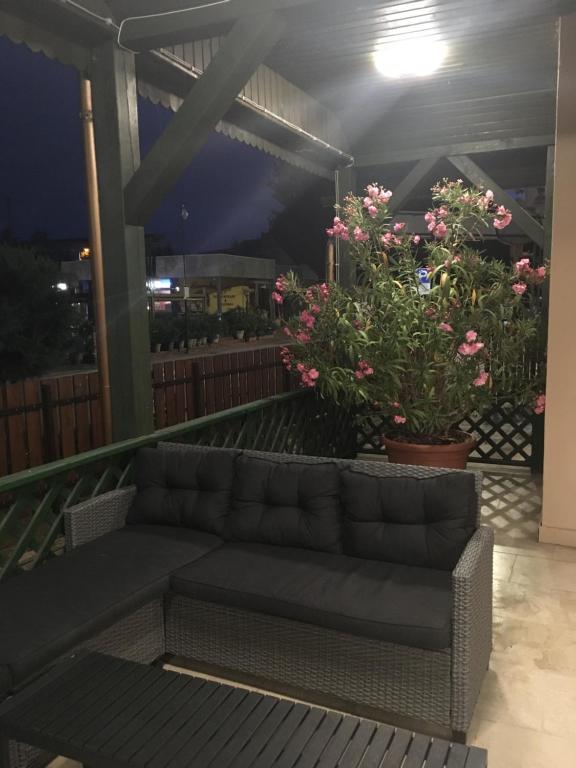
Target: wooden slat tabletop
[(119, 714)]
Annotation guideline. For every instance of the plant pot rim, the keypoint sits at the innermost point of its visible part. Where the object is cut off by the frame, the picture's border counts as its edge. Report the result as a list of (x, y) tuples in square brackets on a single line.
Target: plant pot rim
[(455, 447)]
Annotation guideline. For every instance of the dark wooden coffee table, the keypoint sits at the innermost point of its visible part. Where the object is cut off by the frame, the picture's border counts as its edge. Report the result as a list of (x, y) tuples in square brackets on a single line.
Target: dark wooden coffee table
[(109, 713)]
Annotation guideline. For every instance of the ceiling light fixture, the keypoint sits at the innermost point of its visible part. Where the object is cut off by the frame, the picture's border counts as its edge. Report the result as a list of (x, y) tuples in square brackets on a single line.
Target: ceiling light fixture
[(416, 57)]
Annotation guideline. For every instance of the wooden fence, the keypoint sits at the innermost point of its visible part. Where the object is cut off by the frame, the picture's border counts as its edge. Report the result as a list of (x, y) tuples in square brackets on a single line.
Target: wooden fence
[(44, 420)]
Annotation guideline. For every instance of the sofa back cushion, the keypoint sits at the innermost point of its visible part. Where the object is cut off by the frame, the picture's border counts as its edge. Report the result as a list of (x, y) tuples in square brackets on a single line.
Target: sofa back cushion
[(423, 522), (290, 504), (190, 489)]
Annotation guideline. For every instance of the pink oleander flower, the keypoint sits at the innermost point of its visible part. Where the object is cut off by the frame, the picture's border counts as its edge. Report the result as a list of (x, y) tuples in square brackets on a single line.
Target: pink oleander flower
[(481, 379), (373, 211), (338, 230), (416, 239), (395, 405), (315, 309), (281, 284), (308, 319), (442, 212), (300, 367), (446, 327), (432, 226), (387, 239), (399, 226), (360, 236), (519, 288), (373, 191), (309, 376), (505, 218), (540, 404), (287, 331), (302, 337), (541, 272), (359, 375), (522, 266), (430, 311), (441, 230), (368, 202), (365, 369), (324, 291), (470, 349), (384, 196), (471, 336), (489, 195), (399, 419), (429, 218), (277, 297)]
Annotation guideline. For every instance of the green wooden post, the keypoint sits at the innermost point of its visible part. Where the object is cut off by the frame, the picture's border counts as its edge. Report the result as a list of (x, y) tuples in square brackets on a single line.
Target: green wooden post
[(539, 422), (345, 182), (118, 157)]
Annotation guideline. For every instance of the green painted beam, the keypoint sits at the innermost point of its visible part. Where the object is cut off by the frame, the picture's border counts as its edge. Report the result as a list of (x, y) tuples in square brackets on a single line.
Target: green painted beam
[(243, 50), (468, 168), (410, 182), (388, 155), (345, 182), (118, 155), (146, 33)]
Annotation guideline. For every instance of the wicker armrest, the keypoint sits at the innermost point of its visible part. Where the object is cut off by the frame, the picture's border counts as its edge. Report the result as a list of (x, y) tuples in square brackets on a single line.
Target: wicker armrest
[(472, 624), (95, 517)]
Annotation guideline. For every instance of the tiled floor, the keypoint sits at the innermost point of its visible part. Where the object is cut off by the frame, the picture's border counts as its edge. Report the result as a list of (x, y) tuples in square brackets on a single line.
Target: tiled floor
[(526, 715)]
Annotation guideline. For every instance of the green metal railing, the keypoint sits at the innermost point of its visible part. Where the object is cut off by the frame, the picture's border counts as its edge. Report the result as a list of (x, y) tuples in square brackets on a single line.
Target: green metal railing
[(32, 502)]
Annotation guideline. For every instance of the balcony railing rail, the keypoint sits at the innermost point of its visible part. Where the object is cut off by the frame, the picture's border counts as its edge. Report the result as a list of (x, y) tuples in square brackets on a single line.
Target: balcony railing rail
[(32, 502)]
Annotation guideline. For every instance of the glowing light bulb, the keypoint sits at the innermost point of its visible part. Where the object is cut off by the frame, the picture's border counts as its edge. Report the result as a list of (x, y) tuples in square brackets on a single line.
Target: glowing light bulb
[(417, 57)]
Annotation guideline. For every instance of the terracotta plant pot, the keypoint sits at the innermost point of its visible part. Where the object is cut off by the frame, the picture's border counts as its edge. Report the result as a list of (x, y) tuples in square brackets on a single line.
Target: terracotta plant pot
[(450, 455)]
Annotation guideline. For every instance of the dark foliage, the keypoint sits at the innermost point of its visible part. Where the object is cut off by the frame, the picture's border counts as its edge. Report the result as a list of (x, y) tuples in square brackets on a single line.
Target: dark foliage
[(35, 318)]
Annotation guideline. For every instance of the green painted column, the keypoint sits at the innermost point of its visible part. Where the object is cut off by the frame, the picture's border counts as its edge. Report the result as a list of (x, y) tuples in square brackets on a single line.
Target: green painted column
[(345, 182), (118, 156)]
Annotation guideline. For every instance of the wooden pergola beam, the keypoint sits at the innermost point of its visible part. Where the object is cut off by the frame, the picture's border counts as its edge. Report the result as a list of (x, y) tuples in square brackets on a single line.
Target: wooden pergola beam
[(244, 48), (468, 168), (146, 33), (123, 248), (390, 155), (410, 182)]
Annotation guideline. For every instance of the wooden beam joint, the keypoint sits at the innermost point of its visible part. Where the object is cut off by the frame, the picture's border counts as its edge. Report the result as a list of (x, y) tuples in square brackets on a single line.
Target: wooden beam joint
[(246, 45), (468, 168)]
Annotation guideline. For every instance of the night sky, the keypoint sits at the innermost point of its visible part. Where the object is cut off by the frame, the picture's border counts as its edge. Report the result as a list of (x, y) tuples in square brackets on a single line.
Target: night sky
[(226, 188)]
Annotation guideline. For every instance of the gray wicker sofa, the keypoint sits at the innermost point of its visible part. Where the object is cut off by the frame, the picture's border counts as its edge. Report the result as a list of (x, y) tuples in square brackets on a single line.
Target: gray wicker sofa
[(361, 584)]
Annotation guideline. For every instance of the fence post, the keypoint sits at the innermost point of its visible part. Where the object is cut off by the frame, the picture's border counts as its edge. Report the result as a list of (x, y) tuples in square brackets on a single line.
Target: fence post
[(198, 390), (50, 437)]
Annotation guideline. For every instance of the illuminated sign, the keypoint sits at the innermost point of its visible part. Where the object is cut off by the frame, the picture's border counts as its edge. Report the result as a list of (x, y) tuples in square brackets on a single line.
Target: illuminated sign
[(160, 284)]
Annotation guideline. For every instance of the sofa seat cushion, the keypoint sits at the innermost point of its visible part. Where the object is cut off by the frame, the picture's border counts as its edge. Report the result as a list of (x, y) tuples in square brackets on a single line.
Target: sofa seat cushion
[(51, 609), (291, 504), (423, 522), (185, 488), (393, 603)]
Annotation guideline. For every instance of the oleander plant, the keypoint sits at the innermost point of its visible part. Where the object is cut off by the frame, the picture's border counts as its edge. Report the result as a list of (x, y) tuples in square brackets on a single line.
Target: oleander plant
[(432, 330)]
